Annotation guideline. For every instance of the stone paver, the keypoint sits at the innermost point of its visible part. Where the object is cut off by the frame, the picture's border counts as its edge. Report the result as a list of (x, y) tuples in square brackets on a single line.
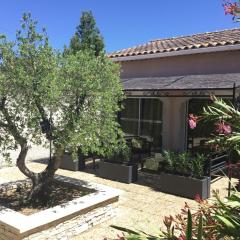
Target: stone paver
[(141, 206)]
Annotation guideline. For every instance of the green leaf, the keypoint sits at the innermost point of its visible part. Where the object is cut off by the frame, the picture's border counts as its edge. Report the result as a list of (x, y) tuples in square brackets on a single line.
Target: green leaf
[(227, 223), (200, 228), (189, 226)]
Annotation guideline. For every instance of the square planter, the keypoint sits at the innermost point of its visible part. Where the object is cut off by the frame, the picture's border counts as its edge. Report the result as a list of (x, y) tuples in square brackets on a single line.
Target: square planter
[(63, 221), (68, 163), (185, 186), (126, 173)]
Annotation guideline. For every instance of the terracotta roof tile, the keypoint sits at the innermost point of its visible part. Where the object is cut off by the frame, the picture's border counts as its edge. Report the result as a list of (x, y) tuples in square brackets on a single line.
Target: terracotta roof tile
[(202, 40)]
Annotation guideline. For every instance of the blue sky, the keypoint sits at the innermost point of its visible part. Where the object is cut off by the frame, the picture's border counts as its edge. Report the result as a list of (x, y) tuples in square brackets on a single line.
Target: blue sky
[(123, 23)]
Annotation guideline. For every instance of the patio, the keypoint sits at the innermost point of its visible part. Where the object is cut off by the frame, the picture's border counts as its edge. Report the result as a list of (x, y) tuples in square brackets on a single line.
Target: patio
[(141, 207)]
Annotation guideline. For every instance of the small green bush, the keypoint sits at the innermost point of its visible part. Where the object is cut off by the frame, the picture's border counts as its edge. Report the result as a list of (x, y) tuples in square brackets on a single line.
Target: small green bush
[(121, 155), (183, 164), (170, 161), (198, 166)]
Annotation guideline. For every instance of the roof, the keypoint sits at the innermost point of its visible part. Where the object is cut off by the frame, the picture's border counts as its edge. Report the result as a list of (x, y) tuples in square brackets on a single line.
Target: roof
[(229, 37), (189, 82)]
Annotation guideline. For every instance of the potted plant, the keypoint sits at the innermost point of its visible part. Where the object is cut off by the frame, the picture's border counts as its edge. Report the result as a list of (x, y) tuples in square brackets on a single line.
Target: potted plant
[(184, 175), (69, 161), (119, 167)]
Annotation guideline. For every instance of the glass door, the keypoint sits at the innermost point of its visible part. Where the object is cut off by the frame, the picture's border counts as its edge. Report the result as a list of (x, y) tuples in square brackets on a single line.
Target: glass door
[(143, 117), (151, 121)]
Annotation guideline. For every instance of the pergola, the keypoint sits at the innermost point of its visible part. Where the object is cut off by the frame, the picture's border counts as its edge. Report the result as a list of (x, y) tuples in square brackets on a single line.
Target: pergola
[(175, 92), (189, 85)]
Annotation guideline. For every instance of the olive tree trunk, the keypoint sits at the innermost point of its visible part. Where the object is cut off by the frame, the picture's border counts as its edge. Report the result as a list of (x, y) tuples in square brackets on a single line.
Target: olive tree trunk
[(41, 182)]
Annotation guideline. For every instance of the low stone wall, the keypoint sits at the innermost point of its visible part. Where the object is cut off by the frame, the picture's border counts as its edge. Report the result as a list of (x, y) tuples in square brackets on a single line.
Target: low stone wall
[(77, 225), (60, 222)]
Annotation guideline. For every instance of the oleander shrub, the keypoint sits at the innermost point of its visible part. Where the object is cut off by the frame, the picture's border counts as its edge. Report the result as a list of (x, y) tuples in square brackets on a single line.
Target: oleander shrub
[(216, 219)]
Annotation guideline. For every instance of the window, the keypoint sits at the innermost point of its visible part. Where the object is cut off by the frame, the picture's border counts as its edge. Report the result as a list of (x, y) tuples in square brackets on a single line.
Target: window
[(143, 117), (130, 116)]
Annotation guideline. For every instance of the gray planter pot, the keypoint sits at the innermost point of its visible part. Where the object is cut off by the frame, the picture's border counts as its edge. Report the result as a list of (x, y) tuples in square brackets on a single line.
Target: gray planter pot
[(68, 163), (119, 172), (185, 186)]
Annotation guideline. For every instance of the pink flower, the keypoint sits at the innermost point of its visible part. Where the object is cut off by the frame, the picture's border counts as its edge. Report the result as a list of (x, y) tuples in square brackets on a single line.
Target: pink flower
[(198, 198), (231, 8), (223, 128), (121, 237), (181, 237), (168, 221), (192, 121)]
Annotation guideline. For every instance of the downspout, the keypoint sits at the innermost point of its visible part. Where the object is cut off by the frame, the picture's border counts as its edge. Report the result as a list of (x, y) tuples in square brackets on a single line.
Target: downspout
[(234, 95)]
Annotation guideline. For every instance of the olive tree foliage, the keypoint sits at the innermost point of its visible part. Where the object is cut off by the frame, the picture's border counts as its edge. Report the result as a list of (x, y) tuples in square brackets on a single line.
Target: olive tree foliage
[(89, 104), (28, 88), (28, 67), (80, 91)]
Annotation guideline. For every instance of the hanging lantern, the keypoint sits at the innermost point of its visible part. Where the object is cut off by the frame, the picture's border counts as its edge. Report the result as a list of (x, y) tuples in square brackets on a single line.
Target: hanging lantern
[(45, 126)]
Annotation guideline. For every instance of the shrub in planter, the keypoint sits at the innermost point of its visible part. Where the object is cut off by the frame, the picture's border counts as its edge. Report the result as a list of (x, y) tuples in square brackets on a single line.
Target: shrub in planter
[(169, 163), (184, 176), (197, 165), (121, 156), (119, 167), (183, 164)]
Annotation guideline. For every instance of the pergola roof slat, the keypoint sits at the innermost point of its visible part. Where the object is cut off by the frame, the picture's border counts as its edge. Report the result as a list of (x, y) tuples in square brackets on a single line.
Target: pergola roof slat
[(188, 82)]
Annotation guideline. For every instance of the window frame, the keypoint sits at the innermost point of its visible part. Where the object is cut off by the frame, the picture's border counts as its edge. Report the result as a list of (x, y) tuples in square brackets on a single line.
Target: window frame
[(140, 120)]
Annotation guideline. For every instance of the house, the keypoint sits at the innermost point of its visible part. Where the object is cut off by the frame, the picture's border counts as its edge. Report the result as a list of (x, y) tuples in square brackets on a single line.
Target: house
[(166, 79)]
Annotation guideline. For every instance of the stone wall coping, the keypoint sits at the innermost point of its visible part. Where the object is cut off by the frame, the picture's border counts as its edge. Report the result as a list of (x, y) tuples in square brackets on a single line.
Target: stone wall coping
[(22, 224)]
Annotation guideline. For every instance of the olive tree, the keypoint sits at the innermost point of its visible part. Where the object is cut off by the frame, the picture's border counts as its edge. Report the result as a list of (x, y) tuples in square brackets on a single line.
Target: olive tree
[(80, 91)]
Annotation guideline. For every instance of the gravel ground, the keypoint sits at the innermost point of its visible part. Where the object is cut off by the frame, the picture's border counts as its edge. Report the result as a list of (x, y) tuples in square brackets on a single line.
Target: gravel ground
[(141, 206)]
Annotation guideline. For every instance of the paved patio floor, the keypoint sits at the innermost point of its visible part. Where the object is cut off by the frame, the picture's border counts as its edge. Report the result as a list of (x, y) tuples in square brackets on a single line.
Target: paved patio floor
[(141, 206)]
